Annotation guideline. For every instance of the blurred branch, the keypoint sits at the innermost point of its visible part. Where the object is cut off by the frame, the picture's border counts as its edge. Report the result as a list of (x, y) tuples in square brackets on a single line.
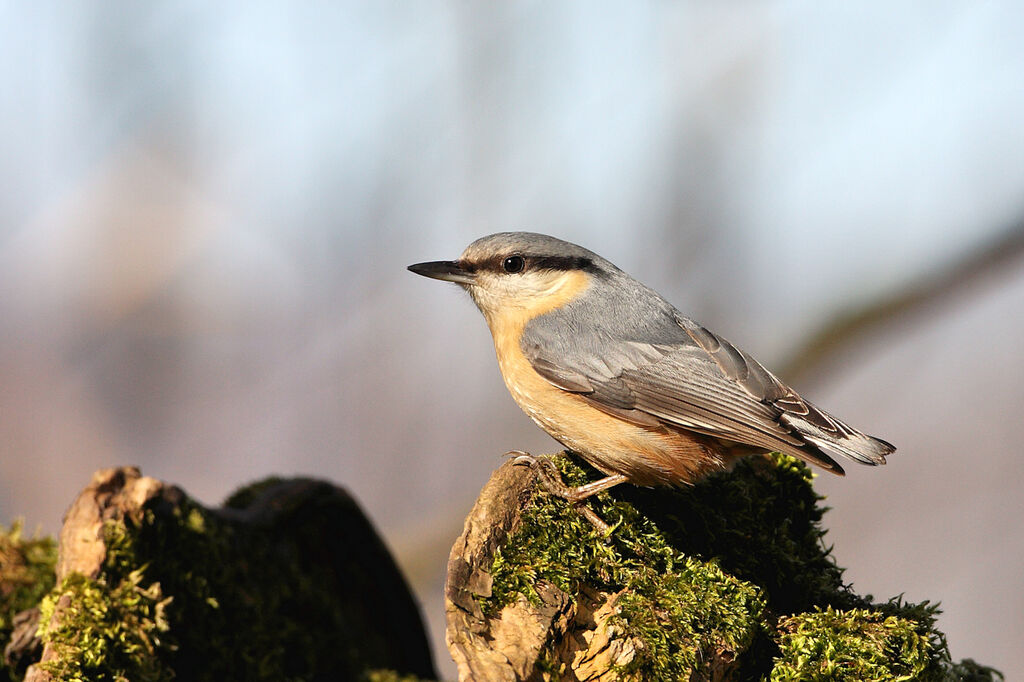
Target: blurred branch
[(857, 326)]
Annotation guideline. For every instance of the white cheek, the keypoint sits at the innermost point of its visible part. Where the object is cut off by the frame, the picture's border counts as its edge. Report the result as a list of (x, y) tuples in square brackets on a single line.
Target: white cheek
[(515, 292), (487, 295)]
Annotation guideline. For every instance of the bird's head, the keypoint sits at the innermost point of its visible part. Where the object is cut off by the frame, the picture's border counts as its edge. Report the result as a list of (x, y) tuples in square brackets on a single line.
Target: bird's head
[(519, 274)]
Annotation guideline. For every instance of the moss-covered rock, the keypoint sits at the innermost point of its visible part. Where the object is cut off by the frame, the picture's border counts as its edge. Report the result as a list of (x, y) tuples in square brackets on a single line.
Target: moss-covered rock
[(684, 613), (728, 579), (290, 582)]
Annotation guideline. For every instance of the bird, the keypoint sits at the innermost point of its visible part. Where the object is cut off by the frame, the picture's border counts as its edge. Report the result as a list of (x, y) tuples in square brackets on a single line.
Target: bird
[(616, 374)]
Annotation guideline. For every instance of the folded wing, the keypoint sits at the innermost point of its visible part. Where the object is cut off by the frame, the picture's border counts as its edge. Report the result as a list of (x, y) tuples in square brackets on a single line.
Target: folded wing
[(697, 380)]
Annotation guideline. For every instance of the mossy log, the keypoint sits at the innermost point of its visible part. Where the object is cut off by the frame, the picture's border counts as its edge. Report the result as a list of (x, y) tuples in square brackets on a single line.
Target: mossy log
[(726, 580), (287, 581)]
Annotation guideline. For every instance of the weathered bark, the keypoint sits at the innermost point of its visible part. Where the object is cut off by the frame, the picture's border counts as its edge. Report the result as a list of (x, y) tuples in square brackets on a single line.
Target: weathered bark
[(506, 646), (110, 495)]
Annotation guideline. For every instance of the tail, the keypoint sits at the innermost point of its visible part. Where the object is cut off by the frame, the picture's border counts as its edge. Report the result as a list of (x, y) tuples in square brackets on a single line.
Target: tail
[(825, 438)]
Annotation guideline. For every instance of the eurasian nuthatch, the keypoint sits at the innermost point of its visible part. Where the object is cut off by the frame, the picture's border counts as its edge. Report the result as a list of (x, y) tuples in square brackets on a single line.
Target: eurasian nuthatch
[(616, 374)]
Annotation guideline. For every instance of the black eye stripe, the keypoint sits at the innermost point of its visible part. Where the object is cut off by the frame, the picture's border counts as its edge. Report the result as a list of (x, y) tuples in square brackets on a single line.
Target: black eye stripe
[(555, 263), (561, 263)]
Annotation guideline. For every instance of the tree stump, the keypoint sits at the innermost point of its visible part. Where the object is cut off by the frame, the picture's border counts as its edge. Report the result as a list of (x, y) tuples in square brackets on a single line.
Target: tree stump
[(287, 581), (726, 580)]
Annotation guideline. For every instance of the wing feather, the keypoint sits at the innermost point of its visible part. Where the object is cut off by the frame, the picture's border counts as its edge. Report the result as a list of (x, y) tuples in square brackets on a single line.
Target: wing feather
[(701, 382)]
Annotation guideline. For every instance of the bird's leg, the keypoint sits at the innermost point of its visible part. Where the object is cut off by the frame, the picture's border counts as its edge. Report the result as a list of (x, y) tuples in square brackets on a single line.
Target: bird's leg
[(551, 480)]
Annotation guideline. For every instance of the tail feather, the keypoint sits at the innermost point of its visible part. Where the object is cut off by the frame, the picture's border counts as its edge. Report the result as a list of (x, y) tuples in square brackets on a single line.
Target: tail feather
[(840, 440), (865, 449)]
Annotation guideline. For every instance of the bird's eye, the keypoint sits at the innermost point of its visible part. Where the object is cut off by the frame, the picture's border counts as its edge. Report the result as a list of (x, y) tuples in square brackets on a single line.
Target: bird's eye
[(513, 264)]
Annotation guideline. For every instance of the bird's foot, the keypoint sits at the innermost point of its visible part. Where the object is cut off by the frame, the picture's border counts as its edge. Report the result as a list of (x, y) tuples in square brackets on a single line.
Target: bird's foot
[(551, 481)]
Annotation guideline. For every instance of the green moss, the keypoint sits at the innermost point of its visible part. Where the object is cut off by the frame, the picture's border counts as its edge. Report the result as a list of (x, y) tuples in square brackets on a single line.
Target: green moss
[(734, 565), (892, 641), (857, 645), (681, 608), (191, 594), (968, 670), (687, 615), (286, 632), (390, 676), (762, 522), (940, 667), (26, 574), (106, 631)]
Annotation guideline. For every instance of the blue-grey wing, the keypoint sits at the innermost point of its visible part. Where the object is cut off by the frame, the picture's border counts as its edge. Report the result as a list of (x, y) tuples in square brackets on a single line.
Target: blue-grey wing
[(673, 371)]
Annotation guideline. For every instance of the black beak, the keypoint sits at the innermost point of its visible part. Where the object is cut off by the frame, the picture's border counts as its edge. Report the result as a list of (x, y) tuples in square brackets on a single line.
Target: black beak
[(447, 270)]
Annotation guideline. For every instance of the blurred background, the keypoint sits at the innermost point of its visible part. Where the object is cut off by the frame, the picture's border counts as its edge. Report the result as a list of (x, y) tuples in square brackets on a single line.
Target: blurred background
[(206, 210)]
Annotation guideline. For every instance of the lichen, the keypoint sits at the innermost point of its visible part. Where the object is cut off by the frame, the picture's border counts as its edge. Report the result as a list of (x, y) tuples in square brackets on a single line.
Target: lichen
[(733, 566)]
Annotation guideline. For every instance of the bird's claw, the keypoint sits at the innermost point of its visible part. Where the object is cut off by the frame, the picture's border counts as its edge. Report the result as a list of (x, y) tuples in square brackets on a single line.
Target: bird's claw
[(522, 459), (550, 479)]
